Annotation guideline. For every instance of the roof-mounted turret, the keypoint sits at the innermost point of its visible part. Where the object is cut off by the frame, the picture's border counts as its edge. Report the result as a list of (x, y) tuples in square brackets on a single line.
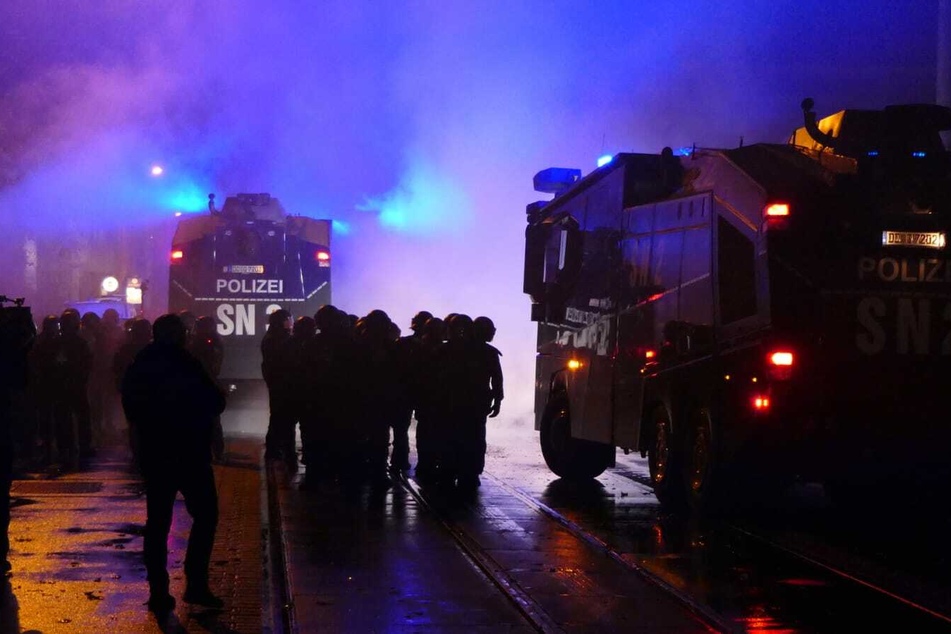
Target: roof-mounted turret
[(253, 207), (905, 131)]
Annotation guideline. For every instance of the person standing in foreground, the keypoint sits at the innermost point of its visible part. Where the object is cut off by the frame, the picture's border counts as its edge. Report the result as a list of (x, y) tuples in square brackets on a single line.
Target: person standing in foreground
[(172, 402), (17, 333)]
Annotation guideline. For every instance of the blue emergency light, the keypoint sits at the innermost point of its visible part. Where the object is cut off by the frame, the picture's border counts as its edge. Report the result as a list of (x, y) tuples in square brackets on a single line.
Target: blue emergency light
[(555, 180)]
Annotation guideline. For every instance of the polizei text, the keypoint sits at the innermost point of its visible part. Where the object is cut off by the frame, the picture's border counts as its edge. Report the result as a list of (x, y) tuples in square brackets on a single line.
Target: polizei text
[(250, 287)]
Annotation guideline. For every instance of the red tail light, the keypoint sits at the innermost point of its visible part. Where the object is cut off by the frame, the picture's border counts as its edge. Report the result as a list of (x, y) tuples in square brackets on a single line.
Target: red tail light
[(780, 364), (760, 403), (322, 257), (776, 214), (178, 255)]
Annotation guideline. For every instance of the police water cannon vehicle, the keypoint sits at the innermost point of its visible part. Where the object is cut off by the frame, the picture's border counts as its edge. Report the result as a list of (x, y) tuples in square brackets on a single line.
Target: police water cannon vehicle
[(747, 316), (242, 262)]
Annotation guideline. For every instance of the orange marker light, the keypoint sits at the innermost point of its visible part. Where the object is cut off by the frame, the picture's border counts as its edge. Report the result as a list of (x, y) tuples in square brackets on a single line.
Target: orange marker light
[(574, 364), (650, 354)]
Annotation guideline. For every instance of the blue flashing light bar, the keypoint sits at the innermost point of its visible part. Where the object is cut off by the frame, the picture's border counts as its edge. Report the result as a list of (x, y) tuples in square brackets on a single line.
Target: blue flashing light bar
[(919, 154), (604, 160), (873, 152), (555, 180)]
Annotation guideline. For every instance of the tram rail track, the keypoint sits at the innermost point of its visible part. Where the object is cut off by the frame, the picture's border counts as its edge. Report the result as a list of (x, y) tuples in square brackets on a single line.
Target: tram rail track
[(817, 561), (533, 612), (522, 600)]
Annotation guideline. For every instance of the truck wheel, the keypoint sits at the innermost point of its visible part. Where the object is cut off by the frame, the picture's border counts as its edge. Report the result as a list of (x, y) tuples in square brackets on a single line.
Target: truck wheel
[(700, 460), (661, 459), (567, 457)]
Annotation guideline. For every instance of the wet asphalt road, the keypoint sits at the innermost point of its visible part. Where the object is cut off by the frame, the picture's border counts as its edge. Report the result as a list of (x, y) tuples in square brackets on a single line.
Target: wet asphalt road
[(796, 565)]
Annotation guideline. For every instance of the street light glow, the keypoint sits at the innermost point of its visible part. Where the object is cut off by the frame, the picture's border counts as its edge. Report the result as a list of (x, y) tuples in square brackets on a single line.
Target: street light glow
[(157, 170)]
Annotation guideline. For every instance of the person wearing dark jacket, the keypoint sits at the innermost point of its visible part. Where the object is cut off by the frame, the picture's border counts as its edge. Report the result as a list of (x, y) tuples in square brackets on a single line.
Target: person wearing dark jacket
[(293, 393), (42, 387), (17, 333), (206, 346), (279, 441), (172, 402), (139, 336), (73, 363), (408, 350)]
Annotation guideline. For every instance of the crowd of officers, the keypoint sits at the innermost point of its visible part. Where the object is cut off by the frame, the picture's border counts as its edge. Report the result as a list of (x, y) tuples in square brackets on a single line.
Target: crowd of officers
[(347, 382), (76, 366)]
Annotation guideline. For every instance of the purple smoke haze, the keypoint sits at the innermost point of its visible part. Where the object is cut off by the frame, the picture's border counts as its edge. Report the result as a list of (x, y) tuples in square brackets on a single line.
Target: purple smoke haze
[(416, 125)]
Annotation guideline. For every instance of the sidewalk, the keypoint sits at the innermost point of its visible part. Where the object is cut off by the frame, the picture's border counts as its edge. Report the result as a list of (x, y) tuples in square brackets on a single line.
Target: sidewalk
[(76, 550)]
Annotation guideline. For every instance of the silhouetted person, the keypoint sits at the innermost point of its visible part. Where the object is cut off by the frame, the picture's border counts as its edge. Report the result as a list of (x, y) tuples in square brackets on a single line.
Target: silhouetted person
[(42, 388), (89, 328), (407, 359), (279, 441), (17, 333), (378, 393), (173, 402), (138, 336), (332, 447), (469, 367), (207, 346), (102, 380), (73, 363), (318, 440), (428, 397), (292, 376), (483, 330)]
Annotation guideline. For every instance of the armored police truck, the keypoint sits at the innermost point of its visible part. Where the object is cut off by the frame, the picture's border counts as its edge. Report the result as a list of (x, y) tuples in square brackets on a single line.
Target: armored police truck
[(244, 261), (751, 315)]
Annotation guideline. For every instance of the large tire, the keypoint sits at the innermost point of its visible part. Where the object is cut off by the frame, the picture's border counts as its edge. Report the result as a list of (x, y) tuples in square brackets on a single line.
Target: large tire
[(701, 469), (567, 457), (662, 461)]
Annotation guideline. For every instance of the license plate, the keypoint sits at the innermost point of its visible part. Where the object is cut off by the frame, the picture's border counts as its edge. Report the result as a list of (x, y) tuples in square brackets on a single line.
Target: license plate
[(244, 268), (930, 240)]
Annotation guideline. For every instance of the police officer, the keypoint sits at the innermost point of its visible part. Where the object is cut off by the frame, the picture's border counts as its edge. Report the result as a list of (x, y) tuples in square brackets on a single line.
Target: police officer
[(73, 361), (108, 342), (407, 359), (321, 436), (42, 389), (378, 390), (139, 336), (173, 402), (292, 378), (428, 401), (280, 425), (483, 329), (469, 369)]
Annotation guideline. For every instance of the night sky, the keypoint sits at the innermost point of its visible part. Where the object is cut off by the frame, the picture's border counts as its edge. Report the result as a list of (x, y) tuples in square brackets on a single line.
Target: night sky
[(417, 126)]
